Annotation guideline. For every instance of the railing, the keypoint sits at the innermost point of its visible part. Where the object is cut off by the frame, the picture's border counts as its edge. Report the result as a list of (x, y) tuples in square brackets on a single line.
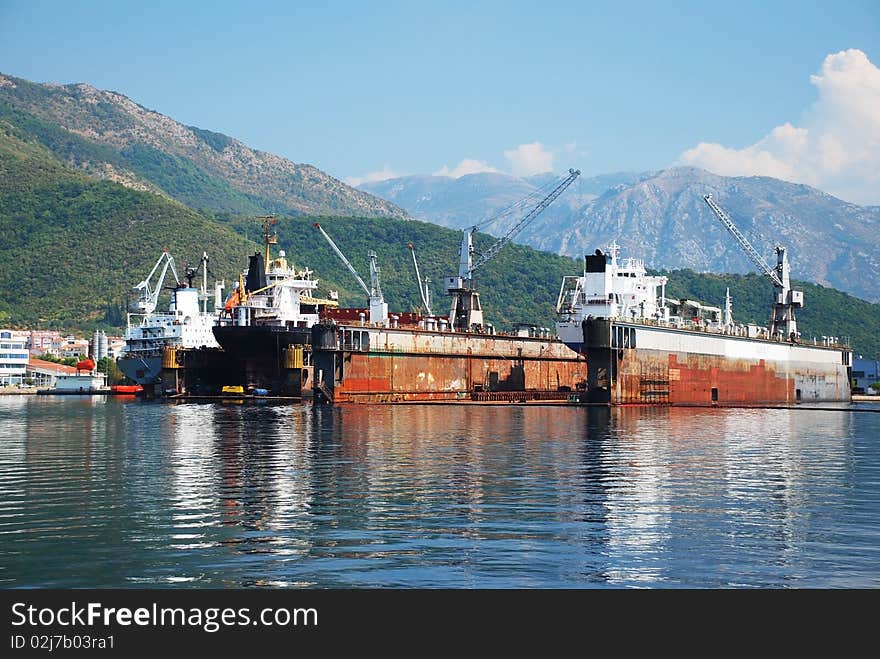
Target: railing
[(518, 396)]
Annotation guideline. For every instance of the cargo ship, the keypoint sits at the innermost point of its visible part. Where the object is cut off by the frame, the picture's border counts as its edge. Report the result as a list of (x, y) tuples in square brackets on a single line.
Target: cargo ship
[(277, 334), (265, 324), (148, 333), (644, 348)]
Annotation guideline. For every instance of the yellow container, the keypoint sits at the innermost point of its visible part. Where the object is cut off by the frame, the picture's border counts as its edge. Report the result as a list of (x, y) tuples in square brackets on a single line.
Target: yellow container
[(232, 389), (169, 358), (293, 357)]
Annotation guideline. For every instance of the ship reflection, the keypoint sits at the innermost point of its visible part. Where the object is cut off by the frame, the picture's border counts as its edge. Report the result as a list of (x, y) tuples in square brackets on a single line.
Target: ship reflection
[(471, 495), (724, 480)]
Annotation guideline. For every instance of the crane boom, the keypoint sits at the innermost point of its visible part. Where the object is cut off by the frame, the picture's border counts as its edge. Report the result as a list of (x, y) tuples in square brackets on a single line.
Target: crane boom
[(378, 306), (423, 293), (750, 251), (466, 312), (149, 294), (344, 260), (783, 324), (528, 217)]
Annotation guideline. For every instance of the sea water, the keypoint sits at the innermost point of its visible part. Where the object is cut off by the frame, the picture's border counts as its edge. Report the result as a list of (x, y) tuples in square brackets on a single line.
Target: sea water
[(110, 493)]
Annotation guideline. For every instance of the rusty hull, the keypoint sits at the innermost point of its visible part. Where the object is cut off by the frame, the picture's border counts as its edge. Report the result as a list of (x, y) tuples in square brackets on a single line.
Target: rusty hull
[(412, 366), (622, 376)]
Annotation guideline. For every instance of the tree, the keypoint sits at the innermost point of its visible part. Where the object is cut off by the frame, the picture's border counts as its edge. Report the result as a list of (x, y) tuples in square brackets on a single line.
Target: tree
[(108, 366)]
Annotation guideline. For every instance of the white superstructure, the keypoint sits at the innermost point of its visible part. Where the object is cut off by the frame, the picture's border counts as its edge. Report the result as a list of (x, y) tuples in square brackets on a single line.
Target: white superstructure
[(273, 293), (620, 289), (184, 325)]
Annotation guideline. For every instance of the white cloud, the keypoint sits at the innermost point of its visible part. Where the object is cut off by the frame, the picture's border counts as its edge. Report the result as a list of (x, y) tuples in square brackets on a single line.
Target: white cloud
[(382, 175), (466, 166), (837, 149), (528, 159)]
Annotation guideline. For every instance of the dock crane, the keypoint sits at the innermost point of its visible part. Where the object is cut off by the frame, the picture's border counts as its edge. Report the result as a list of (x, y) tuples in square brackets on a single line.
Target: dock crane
[(378, 306), (149, 294), (466, 312), (785, 300), (425, 292)]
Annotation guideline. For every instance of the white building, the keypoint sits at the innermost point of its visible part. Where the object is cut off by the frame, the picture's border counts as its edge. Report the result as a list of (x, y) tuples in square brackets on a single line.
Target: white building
[(80, 383), (73, 347), (43, 374), (13, 357)]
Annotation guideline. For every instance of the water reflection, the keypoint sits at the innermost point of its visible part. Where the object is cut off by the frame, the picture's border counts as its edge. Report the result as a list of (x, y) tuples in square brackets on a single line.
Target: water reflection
[(111, 493)]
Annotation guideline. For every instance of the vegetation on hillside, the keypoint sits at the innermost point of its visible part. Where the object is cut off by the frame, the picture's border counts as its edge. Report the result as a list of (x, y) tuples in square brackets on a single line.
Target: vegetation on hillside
[(105, 134), (72, 248)]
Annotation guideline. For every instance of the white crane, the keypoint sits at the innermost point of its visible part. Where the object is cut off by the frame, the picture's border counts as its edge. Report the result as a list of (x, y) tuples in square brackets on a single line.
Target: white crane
[(783, 323), (425, 292), (466, 312), (148, 295), (378, 306)]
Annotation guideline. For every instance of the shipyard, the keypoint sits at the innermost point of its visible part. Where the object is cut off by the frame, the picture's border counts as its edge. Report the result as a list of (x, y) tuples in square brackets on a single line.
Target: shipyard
[(302, 302), (619, 339)]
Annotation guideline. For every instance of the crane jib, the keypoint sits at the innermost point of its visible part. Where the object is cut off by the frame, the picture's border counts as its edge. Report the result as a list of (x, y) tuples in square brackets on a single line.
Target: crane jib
[(528, 217)]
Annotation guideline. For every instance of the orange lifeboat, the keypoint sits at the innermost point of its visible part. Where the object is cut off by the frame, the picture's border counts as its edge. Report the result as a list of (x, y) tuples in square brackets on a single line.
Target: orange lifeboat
[(85, 365)]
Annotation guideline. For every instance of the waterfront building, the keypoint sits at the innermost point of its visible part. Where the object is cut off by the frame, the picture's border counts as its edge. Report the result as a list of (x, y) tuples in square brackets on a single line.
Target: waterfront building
[(13, 358), (73, 347), (44, 374)]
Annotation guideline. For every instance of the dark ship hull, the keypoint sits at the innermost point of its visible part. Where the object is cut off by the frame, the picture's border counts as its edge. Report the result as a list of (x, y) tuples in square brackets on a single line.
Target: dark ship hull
[(274, 358)]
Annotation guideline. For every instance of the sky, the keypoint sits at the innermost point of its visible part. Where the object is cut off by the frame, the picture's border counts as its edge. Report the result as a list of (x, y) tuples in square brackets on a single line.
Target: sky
[(373, 90)]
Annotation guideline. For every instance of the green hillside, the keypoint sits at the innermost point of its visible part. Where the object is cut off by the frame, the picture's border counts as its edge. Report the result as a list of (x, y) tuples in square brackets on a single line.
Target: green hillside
[(71, 248), (104, 134)]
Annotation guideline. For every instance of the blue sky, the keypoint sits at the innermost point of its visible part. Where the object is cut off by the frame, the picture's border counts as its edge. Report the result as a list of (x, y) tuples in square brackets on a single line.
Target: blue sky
[(406, 88)]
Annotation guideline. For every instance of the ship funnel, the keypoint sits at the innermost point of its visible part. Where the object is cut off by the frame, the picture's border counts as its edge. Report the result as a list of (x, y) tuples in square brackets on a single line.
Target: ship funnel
[(256, 276)]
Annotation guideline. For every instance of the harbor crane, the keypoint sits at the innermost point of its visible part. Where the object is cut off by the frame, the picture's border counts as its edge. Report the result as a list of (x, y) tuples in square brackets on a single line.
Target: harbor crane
[(425, 292), (466, 312), (378, 306), (783, 323), (148, 295)]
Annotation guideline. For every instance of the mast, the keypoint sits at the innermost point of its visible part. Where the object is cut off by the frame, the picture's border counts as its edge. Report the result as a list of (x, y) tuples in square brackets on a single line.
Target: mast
[(269, 238), (728, 310)]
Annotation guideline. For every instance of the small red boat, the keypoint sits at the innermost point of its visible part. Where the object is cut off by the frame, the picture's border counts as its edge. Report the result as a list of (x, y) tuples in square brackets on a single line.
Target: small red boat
[(126, 389)]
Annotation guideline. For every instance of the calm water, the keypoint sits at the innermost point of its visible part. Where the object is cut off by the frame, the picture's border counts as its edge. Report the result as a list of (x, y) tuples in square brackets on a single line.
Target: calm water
[(98, 492)]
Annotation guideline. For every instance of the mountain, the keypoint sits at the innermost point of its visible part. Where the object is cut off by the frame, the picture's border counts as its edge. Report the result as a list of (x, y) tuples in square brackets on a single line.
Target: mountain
[(107, 136), (662, 218), (93, 186), (476, 199)]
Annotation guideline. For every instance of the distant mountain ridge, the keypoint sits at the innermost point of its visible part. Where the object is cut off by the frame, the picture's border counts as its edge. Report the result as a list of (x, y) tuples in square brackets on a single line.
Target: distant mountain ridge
[(475, 198), (108, 136), (662, 218)]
